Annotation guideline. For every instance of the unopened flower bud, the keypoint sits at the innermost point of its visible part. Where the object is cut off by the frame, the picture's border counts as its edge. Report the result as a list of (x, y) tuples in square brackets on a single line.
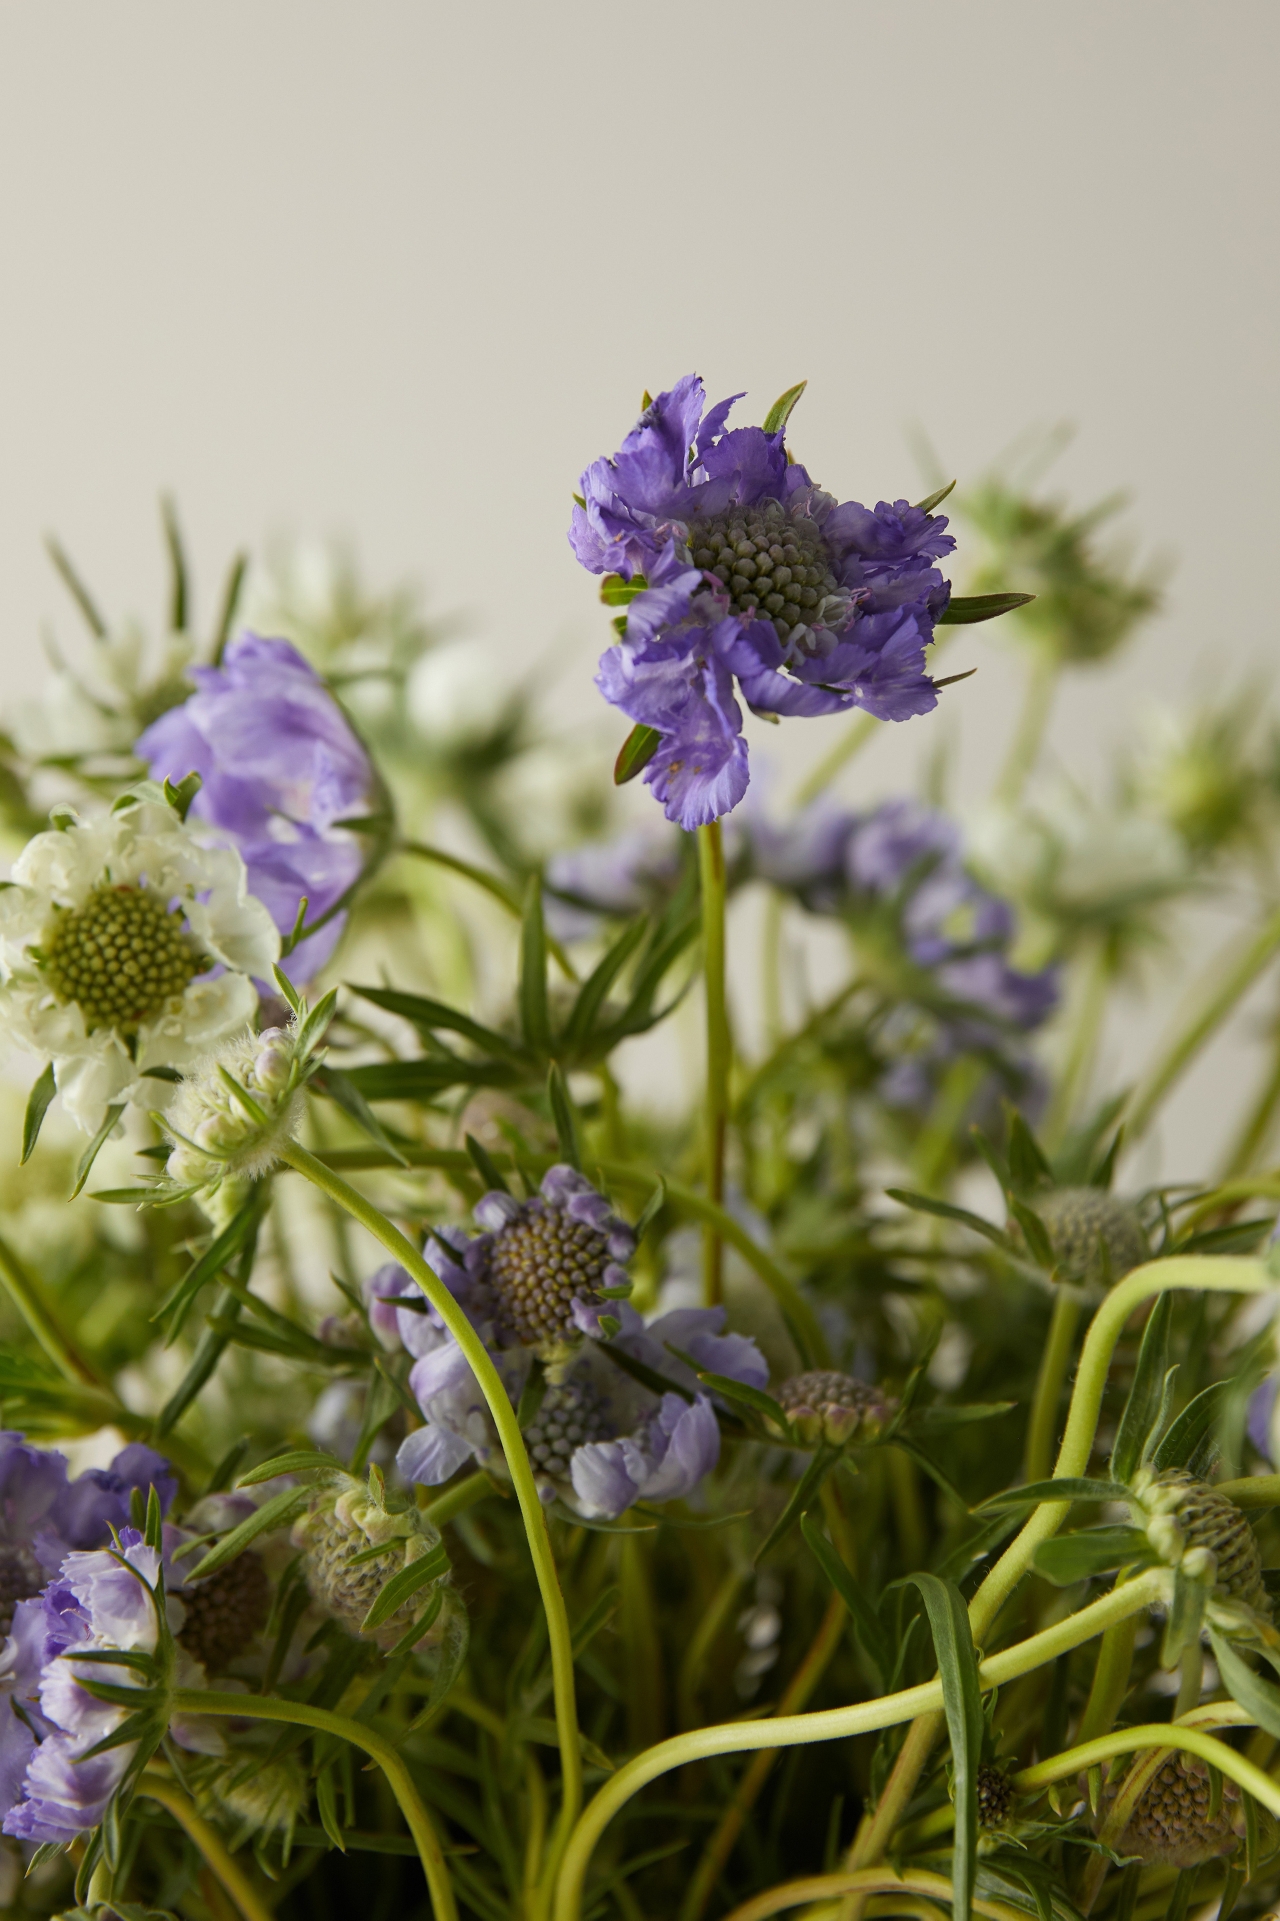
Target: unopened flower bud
[(825, 1405), (1172, 1823), (1094, 1236), (235, 1111), (1192, 1526), (336, 1533), (262, 1796), (995, 1796), (225, 1612)]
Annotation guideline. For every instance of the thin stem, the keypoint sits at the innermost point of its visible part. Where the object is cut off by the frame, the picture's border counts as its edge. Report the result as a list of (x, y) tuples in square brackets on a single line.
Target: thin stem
[(833, 1724), (160, 1787), (1110, 1679), (715, 1124), (1254, 1134), (869, 1881), (456, 1499), (1024, 749), (497, 890), (703, 1640), (1054, 1362), (1082, 1046), (796, 1696), (26, 1297), (504, 1417), (1181, 1737), (851, 742), (1229, 980), (771, 968), (301, 1714)]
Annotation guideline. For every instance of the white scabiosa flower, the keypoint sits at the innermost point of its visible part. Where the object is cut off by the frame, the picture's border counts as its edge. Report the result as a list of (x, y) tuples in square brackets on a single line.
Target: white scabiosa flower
[(128, 949)]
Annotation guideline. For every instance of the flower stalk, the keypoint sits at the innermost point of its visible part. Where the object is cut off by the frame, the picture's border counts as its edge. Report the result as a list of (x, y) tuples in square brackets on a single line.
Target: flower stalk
[(716, 1114)]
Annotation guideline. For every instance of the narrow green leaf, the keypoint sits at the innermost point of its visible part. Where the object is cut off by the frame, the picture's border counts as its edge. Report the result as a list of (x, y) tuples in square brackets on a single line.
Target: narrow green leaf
[(486, 1167), (962, 1702), (1144, 1396), (298, 1461), (963, 610), (1076, 1557), (155, 1519), (75, 587), (344, 1093), (532, 1395), (312, 1029), (647, 1376), (1260, 1699), (594, 990), (429, 1015), (936, 1474), (37, 1107), (617, 592), (563, 1115), (427, 1079), (753, 1397), (1065, 1489), (1035, 1233), (650, 1211), (635, 753), (1189, 1442), (288, 991), (327, 1808), (930, 501), (178, 591), (806, 1493), (95, 1147), (1028, 1167), (925, 1204), (274, 1513), (780, 412), (402, 1586), (865, 1620), (230, 605), (450, 1656), (535, 1019), (1185, 1618), (943, 1417)]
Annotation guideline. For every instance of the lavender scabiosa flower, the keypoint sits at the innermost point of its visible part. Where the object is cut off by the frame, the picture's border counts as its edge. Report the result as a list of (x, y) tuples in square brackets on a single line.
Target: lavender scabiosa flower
[(281, 768), (752, 579)]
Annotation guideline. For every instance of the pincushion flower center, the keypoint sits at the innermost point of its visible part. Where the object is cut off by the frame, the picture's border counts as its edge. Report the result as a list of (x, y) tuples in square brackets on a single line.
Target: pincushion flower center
[(772, 566), (569, 1418), (539, 1265), (21, 1576), (121, 957)]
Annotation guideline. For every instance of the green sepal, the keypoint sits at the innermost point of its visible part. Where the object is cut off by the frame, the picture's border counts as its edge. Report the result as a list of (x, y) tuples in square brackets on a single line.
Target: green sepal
[(1185, 1617), (180, 794), (274, 1513), (930, 501), (963, 610), (1190, 1442), (650, 1211), (783, 407), (635, 753), (1076, 1557), (95, 1147), (485, 1165), (428, 1567), (1035, 1233), (38, 1101), (617, 592)]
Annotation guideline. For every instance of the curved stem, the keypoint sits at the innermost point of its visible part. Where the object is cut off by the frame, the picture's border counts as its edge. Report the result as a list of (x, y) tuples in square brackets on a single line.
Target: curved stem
[(456, 1499), (256, 1707), (1024, 750), (1054, 1363), (1176, 1736), (867, 1881), (832, 1724), (26, 1295), (504, 1417), (160, 1787), (711, 874)]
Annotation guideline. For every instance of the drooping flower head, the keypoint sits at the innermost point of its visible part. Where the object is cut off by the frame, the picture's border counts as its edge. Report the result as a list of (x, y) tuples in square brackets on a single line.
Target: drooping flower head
[(543, 1285), (752, 578), (280, 767), (127, 947)]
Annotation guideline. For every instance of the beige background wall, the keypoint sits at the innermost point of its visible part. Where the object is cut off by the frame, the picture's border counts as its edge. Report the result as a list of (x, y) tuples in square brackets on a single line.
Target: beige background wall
[(398, 271)]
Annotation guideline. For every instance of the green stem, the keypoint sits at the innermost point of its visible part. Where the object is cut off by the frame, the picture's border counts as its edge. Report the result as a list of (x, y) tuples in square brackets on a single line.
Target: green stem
[(456, 1499), (497, 890), (517, 1458), (1054, 1363), (711, 874), (1230, 981), (1254, 1134), (832, 1724), (159, 1787), (851, 742), (26, 1297), (911, 1881), (1110, 1679), (301, 1714), (1024, 749), (1077, 1068), (1160, 1734), (771, 968)]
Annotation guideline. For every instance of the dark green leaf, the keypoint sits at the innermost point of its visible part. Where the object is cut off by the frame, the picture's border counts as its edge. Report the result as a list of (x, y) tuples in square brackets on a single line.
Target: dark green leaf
[(962, 1702), (429, 1015), (936, 1474), (95, 1147), (1260, 1699), (562, 1114), (780, 412), (281, 1508), (37, 1107), (594, 990), (177, 565), (806, 1493), (230, 605), (930, 501), (428, 1078), (753, 1397), (866, 1621), (943, 1417), (342, 1090), (532, 1395), (76, 587), (312, 1029), (1144, 1396), (925, 1204), (535, 1020), (1075, 1557), (485, 1166), (596, 1617), (327, 1808), (404, 1585), (1066, 1489), (450, 1655), (647, 1376), (1189, 1443), (1034, 1232), (635, 753), (288, 992), (1028, 1167), (963, 609)]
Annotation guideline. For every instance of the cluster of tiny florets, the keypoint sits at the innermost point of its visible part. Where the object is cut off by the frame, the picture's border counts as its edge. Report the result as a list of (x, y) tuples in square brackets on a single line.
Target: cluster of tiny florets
[(1094, 1235), (771, 565), (225, 1612), (995, 1796), (539, 1264), (1172, 1823), (218, 1135), (570, 1416), (1186, 1516), (824, 1404), (121, 957)]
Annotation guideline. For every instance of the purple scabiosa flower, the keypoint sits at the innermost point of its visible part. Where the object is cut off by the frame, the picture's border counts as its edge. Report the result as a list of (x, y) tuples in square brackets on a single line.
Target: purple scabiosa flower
[(755, 580), (281, 768), (599, 1440), (100, 1600)]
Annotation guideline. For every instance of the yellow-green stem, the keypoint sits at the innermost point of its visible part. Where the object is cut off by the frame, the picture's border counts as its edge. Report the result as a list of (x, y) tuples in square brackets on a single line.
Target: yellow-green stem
[(1054, 1362), (458, 1498), (254, 1707), (1110, 1679), (532, 1511), (1256, 1128), (851, 742), (716, 1117), (1043, 669), (1098, 969), (162, 1788), (868, 1882), (38, 1315)]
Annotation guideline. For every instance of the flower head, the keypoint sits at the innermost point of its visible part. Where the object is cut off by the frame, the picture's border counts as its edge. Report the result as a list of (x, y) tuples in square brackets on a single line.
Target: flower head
[(281, 768), (353, 1544), (1175, 1822), (233, 1115), (127, 947), (752, 579), (1094, 1235), (825, 1405)]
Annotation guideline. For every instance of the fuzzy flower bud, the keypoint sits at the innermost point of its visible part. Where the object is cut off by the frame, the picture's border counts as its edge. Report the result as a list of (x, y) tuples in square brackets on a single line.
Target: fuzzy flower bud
[(1172, 1823), (825, 1405), (352, 1547), (263, 1798), (1193, 1527), (1094, 1236)]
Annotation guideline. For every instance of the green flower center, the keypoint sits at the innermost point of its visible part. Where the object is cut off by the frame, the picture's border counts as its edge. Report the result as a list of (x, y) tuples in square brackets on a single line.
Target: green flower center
[(772, 567), (538, 1266), (121, 957)]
